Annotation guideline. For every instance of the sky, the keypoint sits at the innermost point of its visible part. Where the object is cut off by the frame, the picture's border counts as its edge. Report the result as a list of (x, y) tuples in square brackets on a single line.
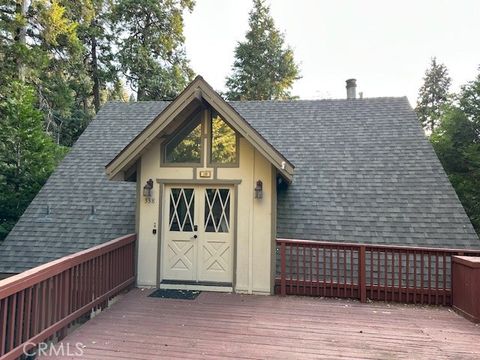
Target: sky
[(386, 45)]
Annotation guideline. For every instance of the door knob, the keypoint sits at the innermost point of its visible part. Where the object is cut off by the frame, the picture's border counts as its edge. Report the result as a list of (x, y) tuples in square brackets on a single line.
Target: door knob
[(195, 236)]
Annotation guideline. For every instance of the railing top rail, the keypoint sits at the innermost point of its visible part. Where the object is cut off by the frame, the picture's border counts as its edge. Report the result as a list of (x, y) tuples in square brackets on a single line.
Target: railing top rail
[(40, 273), (376, 246)]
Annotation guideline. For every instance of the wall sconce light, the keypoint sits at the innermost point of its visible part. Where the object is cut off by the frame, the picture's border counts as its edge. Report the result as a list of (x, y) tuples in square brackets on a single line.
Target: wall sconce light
[(148, 191), (259, 190)]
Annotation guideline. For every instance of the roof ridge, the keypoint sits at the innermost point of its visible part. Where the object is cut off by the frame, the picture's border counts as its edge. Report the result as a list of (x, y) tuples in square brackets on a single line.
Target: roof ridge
[(270, 101), (116, 102), (321, 100)]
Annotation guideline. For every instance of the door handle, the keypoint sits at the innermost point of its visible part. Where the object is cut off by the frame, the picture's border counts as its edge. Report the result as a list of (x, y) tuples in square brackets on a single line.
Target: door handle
[(195, 236)]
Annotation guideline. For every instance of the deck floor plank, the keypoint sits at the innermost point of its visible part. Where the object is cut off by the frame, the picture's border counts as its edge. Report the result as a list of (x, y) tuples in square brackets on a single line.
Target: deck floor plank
[(219, 326)]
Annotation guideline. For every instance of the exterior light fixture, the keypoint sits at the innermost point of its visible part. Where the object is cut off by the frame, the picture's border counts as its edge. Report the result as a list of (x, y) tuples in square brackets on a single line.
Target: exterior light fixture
[(148, 191), (259, 190)]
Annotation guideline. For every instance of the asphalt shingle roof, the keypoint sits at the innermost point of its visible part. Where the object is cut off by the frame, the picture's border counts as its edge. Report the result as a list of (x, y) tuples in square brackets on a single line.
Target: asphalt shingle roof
[(364, 172), (79, 183)]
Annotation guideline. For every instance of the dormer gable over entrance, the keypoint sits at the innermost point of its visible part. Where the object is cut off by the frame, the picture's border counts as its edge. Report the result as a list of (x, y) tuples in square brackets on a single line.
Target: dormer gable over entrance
[(196, 103), (206, 196)]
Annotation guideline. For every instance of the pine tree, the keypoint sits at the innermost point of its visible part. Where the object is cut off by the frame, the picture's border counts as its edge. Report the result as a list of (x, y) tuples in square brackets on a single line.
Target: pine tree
[(469, 102), (27, 154), (117, 92), (456, 141), (30, 32), (40, 37), (97, 37), (433, 95), (264, 67), (151, 46), (457, 144)]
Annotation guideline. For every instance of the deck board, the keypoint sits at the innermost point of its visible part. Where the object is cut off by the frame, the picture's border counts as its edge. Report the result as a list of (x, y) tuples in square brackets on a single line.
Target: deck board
[(217, 325)]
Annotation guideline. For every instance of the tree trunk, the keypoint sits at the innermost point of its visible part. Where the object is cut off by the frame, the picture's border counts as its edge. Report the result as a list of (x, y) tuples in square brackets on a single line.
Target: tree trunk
[(141, 88), (21, 9), (141, 91), (18, 164), (95, 74)]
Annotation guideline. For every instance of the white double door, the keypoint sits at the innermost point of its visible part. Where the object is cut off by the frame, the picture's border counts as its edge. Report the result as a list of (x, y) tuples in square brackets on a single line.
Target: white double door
[(198, 230)]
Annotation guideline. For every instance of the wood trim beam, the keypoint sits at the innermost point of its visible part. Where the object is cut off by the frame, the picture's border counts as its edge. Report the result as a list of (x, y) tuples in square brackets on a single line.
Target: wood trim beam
[(198, 182)]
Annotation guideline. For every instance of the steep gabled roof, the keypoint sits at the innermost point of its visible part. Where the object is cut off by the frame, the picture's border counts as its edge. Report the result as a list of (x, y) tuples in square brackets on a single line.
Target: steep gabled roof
[(364, 173), (197, 91)]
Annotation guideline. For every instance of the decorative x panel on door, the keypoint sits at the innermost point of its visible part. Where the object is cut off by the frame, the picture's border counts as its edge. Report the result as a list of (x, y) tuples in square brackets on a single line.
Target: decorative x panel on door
[(180, 255), (216, 256)]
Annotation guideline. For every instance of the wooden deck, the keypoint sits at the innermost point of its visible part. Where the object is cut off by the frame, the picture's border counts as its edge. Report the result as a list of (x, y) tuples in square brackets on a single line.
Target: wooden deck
[(219, 325)]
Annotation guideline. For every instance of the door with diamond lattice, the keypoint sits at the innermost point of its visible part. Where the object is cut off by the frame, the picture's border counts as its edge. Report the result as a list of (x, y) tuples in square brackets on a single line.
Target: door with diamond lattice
[(198, 234), (215, 245), (179, 258)]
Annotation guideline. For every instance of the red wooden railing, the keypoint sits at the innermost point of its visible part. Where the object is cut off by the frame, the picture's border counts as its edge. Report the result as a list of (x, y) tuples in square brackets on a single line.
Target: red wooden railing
[(466, 286), (377, 272), (38, 305)]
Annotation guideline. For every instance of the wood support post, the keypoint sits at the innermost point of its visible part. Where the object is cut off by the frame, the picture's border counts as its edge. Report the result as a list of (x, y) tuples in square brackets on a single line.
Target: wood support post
[(362, 279), (283, 270)]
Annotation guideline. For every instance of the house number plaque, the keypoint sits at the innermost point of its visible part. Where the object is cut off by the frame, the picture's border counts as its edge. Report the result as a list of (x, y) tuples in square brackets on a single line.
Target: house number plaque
[(205, 174)]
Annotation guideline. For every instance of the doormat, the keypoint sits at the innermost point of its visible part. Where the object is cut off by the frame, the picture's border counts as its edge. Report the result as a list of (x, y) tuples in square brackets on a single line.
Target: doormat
[(175, 294)]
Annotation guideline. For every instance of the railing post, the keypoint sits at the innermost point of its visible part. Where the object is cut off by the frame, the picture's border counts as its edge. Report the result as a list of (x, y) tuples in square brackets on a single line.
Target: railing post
[(362, 278), (65, 302), (283, 270)]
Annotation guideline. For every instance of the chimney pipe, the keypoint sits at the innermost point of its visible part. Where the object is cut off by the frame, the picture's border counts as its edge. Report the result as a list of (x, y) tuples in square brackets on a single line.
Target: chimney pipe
[(351, 88)]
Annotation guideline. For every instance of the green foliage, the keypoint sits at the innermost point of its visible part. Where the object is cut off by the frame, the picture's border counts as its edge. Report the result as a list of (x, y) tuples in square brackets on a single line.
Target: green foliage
[(224, 141), (65, 51), (27, 154), (469, 102), (97, 36), (59, 66), (151, 52), (116, 92), (433, 96), (264, 68), (56, 28), (48, 57), (74, 81), (185, 147), (457, 144)]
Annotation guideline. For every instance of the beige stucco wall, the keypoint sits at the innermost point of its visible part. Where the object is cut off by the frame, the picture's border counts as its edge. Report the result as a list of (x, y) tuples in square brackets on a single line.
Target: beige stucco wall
[(253, 254)]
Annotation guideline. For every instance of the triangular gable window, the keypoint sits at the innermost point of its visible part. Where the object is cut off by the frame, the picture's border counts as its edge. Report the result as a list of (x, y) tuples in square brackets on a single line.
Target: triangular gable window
[(186, 145)]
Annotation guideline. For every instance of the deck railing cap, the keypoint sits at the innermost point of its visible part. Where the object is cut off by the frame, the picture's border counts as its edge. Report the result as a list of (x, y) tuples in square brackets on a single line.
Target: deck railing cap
[(376, 246)]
